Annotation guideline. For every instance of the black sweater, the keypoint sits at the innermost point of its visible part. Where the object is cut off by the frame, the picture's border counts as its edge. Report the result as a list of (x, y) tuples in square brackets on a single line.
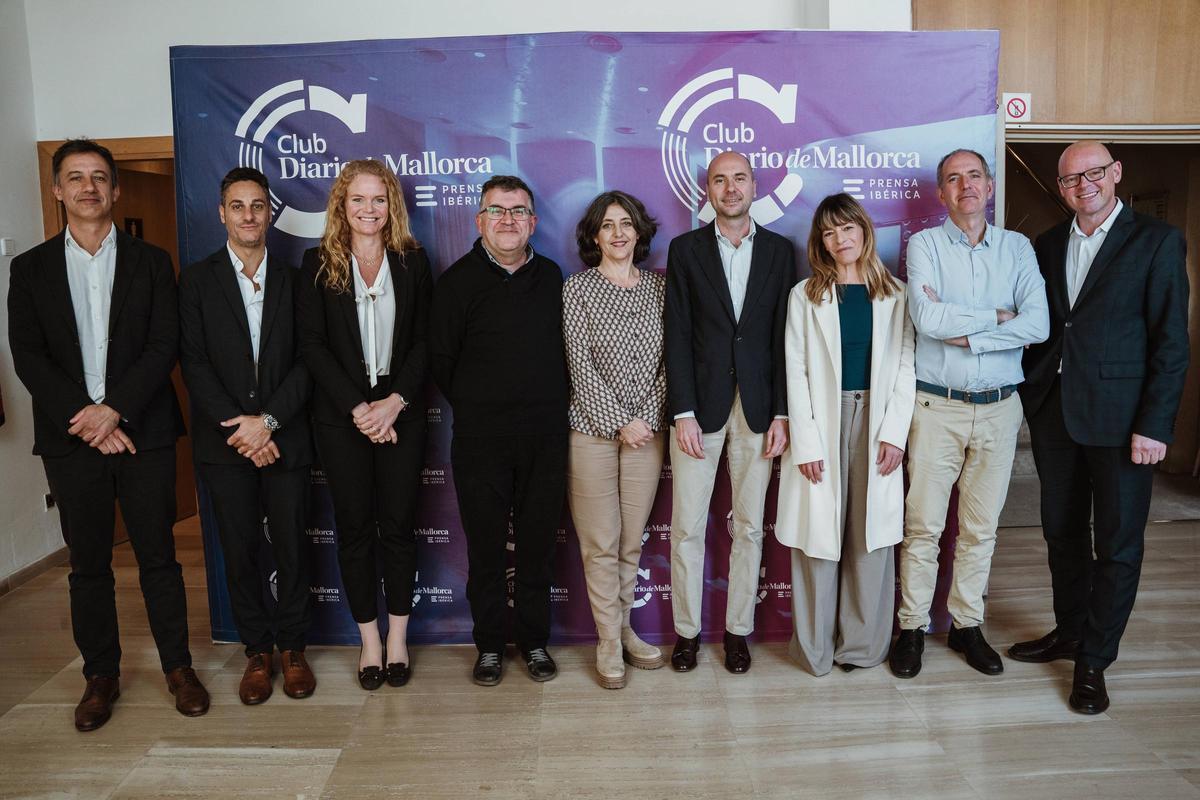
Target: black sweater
[(496, 346)]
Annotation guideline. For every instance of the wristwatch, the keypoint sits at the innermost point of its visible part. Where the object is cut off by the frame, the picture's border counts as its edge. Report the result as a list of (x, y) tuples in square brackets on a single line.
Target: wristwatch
[(270, 423)]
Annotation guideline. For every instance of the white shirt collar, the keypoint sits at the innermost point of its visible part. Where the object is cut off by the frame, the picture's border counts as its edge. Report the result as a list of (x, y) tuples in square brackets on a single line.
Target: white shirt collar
[(1103, 227), (723, 238), (238, 265), (109, 240)]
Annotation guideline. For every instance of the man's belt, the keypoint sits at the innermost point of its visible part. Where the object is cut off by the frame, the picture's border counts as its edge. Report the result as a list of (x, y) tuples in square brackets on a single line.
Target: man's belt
[(982, 396)]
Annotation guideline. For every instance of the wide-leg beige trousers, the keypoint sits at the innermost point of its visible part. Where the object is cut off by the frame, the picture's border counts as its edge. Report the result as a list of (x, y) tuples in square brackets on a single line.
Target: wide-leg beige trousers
[(611, 488), (973, 445), (693, 479), (842, 610)]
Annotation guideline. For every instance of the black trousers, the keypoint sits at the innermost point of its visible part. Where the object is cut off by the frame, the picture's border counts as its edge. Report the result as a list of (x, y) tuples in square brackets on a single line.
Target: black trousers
[(242, 495), (1095, 579), (522, 478), (374, 489), (85, 484)]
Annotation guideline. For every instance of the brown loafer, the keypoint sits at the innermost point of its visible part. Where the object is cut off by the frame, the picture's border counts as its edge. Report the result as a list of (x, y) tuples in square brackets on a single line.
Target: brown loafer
[(298, 678), (95, 707), (191, 698), (255, 687)]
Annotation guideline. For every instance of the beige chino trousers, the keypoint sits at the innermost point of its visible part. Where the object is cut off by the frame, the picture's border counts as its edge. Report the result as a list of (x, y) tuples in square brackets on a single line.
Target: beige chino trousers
[(972, 444), (693, 479), (611, 488)]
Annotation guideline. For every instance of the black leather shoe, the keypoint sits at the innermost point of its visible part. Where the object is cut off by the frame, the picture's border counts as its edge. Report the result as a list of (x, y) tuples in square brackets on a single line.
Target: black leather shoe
[(539, 663), (737, 654), (370, 677), (683, 657), (848, 667), (1051, 647), (398, 673), (980, 655), (488, 668), (1088, 694), (905, 658)]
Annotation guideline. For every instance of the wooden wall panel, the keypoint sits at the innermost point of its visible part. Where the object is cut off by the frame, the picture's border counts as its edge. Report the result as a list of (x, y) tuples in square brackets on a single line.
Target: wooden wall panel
[(1089, 61)]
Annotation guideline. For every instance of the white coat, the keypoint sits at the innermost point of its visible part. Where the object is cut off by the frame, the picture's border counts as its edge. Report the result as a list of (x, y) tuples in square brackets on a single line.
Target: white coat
[(810, 517)]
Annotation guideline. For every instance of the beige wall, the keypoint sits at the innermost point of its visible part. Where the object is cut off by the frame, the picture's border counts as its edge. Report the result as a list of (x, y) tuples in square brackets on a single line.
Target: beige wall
[(1089, 61)]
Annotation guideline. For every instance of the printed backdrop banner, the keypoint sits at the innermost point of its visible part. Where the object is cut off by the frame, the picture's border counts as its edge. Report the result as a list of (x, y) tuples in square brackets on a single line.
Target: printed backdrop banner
[(816, 113)]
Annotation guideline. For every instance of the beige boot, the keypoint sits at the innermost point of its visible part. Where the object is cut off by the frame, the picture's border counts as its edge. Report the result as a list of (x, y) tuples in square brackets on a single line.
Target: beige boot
[(639, 653), (609, 666)]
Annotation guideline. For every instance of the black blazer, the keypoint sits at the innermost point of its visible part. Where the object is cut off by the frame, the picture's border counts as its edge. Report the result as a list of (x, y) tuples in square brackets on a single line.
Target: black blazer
[(331, 345), (218, 360), (708, 353), (143, 329), (1124, 346)]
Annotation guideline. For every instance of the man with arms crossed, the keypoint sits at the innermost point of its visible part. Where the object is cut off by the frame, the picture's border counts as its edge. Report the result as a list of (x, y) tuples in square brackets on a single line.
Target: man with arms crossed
[(94, 328), (976, 299), (249, 397), (726, 309), (1101, 396), (496, 350)]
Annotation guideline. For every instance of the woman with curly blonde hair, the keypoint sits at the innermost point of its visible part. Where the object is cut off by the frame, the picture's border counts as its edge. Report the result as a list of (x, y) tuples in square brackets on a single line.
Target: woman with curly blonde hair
[(362, 310)]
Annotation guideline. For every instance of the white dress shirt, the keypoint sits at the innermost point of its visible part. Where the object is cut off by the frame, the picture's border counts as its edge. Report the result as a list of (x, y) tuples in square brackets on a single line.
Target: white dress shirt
[(252, 296), (91, 281), (376, 305), (1082, 249)]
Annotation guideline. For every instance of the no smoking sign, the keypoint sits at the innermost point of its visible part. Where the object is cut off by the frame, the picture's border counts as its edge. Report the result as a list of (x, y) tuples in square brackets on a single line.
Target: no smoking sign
[(1018, 106)]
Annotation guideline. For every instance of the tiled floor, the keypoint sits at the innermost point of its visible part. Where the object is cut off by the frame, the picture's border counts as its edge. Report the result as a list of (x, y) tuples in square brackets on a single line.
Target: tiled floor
[(776, 732)]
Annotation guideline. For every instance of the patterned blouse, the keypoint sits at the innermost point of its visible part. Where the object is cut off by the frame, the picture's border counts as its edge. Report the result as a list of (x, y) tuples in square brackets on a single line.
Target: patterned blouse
[(614, 340)]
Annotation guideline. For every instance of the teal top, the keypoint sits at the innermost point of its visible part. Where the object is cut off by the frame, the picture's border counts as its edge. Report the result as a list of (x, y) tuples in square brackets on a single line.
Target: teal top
[(855, 318)]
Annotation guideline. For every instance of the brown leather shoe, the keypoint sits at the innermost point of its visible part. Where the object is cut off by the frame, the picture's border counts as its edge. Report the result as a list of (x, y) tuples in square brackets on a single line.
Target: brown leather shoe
[(298, 678), (191, 698), (95, 707), (255, 687)]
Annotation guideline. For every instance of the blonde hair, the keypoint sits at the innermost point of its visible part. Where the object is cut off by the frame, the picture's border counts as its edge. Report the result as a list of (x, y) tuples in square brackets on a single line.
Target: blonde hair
[(835, 210), (334, 271)]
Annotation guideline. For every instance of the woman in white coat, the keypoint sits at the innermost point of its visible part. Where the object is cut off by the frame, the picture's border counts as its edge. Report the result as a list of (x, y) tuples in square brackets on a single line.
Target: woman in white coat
[(849, 351)]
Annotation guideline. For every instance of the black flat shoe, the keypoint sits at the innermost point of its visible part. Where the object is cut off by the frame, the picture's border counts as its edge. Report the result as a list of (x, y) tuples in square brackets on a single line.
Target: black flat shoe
[(1088, 693), (979, 654), (1051, 647), (371, 677), (848, 667), (398, 674), (488, 668), (683, 658)]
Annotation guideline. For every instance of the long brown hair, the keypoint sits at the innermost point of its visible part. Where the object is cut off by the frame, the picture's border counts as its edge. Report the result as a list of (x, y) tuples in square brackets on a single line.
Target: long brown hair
[(835, 210), (334, 271)]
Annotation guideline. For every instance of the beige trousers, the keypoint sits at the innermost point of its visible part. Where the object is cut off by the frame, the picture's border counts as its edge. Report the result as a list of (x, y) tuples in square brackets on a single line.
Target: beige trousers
[(693, 479), (842, 610), (972, 444), (611, 488)]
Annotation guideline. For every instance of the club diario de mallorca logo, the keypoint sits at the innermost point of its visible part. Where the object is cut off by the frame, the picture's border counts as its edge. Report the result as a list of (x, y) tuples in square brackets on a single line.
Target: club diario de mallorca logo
[(310, 156), (688, 130), (294, 150)]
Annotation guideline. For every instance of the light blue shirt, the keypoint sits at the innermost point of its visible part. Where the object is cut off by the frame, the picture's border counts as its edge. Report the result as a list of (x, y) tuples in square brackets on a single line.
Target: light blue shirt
[(971, 284), (736, 263)]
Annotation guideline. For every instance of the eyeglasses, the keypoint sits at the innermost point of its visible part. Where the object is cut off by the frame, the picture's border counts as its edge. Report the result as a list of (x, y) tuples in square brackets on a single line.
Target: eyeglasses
[(518, 213), (1094, 174)]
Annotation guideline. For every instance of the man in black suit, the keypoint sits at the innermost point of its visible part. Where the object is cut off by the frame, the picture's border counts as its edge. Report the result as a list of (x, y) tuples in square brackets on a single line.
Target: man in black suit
[(94, 329), (1100, 396), (249, 397), (726, 308)]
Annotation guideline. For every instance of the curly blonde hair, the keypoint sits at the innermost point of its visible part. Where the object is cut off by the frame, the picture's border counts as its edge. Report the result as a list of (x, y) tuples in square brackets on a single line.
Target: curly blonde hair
[(835, 210), (334, 271)]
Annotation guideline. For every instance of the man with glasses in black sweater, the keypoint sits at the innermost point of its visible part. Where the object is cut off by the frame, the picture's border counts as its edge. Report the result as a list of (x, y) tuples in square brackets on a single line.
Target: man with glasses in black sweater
[(496, 351)]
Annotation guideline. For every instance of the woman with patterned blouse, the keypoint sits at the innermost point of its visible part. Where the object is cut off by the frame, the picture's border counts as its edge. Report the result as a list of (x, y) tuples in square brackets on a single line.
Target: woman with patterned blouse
[(613, 328)]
